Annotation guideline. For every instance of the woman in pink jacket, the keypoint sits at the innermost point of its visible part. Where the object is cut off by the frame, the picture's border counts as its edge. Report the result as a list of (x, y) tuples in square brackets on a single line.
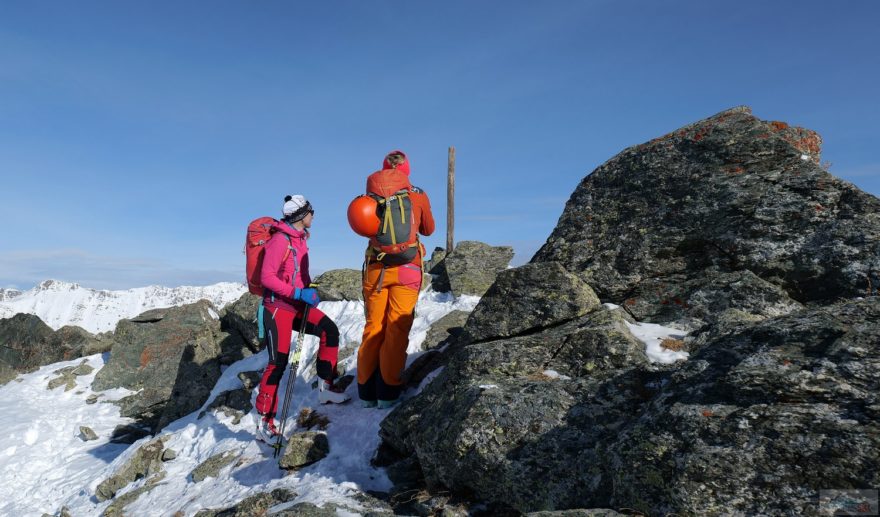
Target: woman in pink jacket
[(285, 277)]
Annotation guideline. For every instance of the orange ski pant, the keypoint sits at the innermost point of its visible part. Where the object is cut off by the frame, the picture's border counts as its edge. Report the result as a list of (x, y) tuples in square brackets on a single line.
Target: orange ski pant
[(390, 295)]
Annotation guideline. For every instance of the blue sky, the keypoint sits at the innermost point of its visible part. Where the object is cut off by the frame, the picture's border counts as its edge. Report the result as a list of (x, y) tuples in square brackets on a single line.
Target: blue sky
[(138, 139)]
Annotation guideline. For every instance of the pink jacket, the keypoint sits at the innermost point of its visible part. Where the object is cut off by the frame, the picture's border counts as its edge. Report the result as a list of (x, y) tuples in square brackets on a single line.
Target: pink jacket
[(280, 279)]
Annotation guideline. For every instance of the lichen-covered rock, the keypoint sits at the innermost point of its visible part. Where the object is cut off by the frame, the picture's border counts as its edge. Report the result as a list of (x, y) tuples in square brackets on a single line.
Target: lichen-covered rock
[(447, 328), (731, 192), (304, 449), (527, 298), (701, 298), (170, 357), (470, 268), (26, 343), (212, 466), (340, 285), (254, 505), (494, 423), (146, 462), (761, 419)]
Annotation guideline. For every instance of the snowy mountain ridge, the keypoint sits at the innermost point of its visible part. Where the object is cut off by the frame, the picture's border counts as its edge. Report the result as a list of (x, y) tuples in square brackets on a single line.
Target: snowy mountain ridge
[(60, 303)]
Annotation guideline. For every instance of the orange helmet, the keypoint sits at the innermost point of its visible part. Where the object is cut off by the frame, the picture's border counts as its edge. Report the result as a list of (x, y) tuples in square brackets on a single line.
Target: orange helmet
[(362, 216)]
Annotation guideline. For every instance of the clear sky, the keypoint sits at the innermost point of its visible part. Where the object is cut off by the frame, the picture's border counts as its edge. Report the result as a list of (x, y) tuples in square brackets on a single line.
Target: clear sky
[(138, 139)]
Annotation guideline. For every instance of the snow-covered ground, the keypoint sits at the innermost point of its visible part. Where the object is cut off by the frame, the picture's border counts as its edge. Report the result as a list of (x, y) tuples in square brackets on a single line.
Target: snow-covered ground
[(62, 303), (45, 464)]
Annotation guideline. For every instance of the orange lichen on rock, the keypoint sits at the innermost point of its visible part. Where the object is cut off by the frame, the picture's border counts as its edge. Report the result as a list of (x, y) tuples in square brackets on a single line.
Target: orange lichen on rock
[(778, 126)]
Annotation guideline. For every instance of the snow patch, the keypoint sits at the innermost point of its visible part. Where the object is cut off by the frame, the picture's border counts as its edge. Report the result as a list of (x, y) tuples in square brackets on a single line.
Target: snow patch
[(652, 335)]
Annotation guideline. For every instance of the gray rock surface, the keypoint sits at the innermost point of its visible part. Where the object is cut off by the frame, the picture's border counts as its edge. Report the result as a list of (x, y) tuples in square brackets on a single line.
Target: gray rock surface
[(730, 228), (732, 193), (26, 343), (255, 505), (340, 285), (239, 318), (476, 427), (87, 433), (470, 268), (304, 449), (146, 462), (527, 298), (446, 329), (212, 466), (170, 356), (771, 414)]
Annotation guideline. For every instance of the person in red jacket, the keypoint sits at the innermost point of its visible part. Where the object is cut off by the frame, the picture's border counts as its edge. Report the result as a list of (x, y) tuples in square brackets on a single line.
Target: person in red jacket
[(392, 281), (285, 277)]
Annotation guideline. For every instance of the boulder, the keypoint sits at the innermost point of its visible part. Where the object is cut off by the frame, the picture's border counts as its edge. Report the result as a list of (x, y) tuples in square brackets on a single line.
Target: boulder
[(26, 343), (239, 318), (211, 467), (170, 357), (340, 285), (730, 193), (144, 463), (528, 298), (470, 268), (304, 449), (446, 329)]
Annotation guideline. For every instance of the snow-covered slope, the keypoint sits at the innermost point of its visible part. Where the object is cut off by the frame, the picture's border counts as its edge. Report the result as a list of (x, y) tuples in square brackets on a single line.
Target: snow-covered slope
[(61, 303), (45, 464)]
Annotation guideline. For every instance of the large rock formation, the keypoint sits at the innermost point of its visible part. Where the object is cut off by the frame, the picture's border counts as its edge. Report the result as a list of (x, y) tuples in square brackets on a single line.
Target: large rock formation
[(26, 343), (730, 228), (171, 357), (730, 193)]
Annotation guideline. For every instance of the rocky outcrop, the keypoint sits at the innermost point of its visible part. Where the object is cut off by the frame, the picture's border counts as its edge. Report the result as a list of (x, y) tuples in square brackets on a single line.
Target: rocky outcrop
[(211, 467), (170, 357), (239, 318), (470, 268), (527, 298), (340, 285), (727, 194), (729, 228), (258, 504), (771, 414), (146, 462), (26, 343)]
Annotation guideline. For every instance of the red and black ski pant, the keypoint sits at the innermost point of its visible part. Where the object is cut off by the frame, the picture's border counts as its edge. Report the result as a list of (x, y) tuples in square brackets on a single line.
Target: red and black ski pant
[(279, 325)]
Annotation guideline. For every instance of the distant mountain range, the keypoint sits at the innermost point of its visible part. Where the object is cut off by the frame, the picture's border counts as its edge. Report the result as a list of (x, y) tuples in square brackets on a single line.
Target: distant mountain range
[(62, 303)]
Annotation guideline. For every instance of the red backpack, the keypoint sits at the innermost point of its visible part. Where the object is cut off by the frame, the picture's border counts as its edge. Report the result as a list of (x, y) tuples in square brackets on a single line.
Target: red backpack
[(258, 233)]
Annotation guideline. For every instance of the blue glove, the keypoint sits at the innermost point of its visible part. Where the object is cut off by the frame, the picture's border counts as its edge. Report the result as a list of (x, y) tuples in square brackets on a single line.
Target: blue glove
[(308, 295)]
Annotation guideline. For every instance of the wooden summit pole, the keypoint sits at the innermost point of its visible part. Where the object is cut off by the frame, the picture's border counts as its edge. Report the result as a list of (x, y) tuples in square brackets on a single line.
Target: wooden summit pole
[(450, 202)]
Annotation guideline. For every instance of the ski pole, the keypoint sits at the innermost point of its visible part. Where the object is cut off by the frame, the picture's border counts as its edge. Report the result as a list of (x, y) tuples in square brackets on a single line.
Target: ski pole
[(291, 379)]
